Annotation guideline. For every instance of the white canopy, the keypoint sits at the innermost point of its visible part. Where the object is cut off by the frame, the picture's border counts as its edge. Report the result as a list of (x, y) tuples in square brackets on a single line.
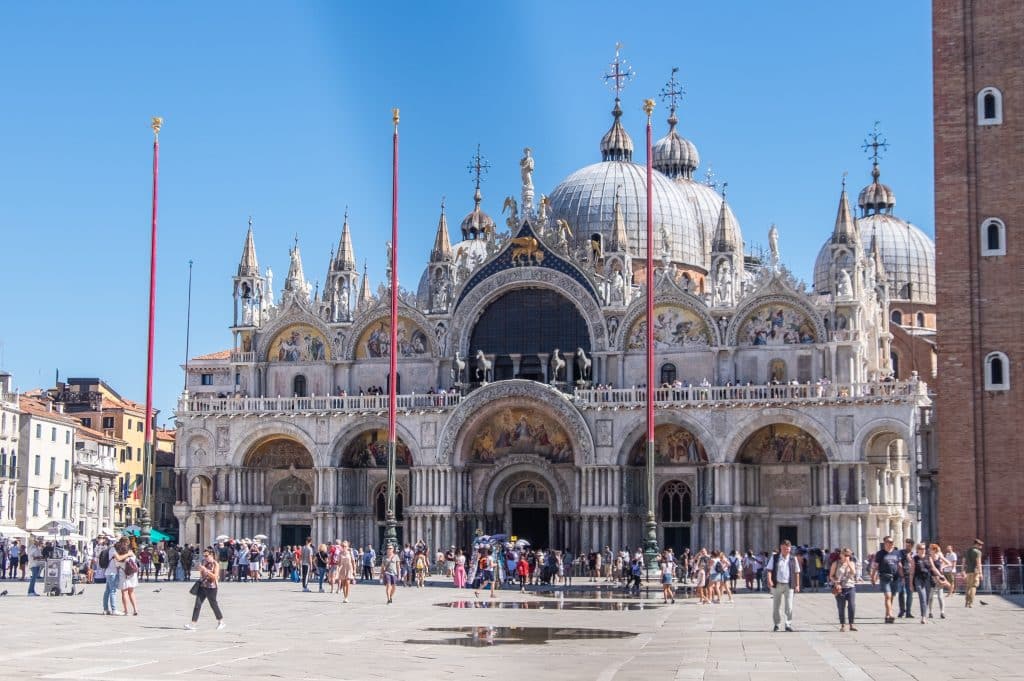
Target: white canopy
[(11, 531)]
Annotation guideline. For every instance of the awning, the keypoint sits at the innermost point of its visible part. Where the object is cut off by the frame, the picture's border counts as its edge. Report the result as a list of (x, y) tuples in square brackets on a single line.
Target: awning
[(12, 531), (154, 534)]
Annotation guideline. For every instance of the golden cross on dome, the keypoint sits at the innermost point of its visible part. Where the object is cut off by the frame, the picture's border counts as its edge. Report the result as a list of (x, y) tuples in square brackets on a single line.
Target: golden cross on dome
[(672, 91), (619, 73), (478, 167), (877, 143)]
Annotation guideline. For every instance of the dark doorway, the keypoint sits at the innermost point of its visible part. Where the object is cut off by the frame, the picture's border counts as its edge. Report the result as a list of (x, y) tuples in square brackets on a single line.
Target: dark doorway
[(788, 532), (294, 535), (531, 524), (677, 539), (503, 368), (299, 386)]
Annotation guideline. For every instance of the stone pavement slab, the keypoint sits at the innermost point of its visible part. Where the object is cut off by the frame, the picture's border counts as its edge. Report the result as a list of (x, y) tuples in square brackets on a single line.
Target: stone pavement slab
[(277, 631)]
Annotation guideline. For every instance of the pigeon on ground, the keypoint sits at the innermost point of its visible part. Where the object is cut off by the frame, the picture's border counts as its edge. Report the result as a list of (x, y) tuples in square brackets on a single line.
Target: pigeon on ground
[(3, 593), (982, 602), (80, 591), (156, 591)]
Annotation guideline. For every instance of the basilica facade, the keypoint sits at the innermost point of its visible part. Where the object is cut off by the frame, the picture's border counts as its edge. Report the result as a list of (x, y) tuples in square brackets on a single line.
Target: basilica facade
[(521, 361)]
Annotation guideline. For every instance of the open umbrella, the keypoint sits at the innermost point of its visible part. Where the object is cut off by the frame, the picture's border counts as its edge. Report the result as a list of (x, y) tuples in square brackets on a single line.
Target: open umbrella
[(132, 529), (260, 537), (222, 537)]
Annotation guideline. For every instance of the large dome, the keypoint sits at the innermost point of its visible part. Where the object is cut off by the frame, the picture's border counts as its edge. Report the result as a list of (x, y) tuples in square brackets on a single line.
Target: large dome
[(908, 255), (586, 200)]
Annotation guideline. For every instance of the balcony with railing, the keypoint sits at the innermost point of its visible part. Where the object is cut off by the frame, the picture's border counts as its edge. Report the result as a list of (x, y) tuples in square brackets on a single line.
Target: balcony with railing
[(762, 395), (879, 392), (359, 404), (244, 357)]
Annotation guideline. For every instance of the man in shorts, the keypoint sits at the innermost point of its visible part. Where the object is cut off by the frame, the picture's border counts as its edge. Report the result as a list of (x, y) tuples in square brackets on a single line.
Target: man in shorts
[(972, 572), (887, 571)]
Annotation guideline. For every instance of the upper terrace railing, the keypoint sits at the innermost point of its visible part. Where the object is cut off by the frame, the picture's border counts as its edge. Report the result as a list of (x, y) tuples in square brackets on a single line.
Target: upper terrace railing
[(697, 395), (813, 393), (199, 404)]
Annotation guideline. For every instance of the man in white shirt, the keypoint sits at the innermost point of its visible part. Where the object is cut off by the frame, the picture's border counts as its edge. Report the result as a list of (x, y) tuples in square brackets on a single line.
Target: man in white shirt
[(783, 575), (35, 565)]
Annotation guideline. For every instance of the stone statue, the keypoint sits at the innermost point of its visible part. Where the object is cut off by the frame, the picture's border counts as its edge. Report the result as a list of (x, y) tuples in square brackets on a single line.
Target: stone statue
[(513, 213), (618, 288), (845, 289), (343, 305), (526, 171), (557, 364), (666, 242), (724, 287), (270, 285), (773, 242), (545, 203), (388, 264)]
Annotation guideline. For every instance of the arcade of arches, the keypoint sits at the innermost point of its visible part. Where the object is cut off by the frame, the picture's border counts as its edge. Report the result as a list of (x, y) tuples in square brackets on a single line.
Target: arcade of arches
[(520, 472)]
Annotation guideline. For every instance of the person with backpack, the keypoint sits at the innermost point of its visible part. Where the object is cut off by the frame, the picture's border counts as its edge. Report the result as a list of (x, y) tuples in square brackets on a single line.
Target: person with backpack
[(106, 571), (369, 557), (127, 564), (484, 573), (421, 565)]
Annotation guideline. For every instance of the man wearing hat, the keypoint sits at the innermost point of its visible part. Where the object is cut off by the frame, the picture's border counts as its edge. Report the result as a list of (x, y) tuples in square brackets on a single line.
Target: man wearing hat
[(972, 571), (35, 565)]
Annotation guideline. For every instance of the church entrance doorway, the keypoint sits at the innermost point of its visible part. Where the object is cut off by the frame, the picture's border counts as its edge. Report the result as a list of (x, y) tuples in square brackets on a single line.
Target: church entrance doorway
[(788, 532), (677, 539), (531, 524), (295, 535)]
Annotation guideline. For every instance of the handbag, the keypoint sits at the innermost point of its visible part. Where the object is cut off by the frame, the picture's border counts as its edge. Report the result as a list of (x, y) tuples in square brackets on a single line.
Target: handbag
[(837, 589), (196, 586)]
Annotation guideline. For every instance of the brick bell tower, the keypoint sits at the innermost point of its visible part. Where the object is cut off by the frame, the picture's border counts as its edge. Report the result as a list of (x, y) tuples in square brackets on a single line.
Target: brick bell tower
[(979, 228)]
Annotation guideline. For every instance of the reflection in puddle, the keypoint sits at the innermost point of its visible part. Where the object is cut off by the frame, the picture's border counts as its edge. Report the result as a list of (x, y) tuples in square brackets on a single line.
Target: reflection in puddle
[(549, 605), (599, 594), (483, 637)]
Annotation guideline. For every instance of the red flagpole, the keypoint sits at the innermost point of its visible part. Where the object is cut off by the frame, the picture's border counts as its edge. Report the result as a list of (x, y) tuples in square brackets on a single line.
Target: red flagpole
[(390, 519), (156, 124), (393, 392)]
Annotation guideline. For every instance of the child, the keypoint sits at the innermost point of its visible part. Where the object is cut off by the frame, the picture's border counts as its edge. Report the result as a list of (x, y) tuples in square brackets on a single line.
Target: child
[(523, 572), (700, 583), (636, 570)]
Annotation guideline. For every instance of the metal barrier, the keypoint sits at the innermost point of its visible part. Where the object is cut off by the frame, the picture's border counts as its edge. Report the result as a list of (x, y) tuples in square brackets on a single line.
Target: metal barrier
[(997, 578)]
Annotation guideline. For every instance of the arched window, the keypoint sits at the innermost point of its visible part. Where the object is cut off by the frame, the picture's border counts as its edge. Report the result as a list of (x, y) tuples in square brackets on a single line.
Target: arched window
[(993, 237), (920, 320), (990, 106), (897, 317), (676, 503), (381, 503), (668, 373), (299, 386), (997, 371)]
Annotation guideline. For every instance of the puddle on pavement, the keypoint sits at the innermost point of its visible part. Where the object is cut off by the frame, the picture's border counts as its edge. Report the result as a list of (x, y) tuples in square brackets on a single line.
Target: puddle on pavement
[(549, 605), (599, 594), (485, 637)]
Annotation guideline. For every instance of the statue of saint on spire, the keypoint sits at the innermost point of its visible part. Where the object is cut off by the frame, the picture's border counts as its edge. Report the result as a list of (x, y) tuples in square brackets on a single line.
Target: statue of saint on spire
[(526, 165)]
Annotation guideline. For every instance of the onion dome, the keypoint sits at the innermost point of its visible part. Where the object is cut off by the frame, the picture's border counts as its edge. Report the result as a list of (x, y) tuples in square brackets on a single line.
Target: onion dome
[(876, 197), (616, 144), (673, 154), (907, 254), (478, 223)]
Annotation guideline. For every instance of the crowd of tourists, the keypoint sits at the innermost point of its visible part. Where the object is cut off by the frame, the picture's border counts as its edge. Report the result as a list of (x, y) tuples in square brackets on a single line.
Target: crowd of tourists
[(710, 576)]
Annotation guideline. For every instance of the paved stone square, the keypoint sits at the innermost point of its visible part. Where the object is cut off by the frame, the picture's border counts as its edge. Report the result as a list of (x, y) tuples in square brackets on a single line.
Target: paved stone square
[(276, 631)]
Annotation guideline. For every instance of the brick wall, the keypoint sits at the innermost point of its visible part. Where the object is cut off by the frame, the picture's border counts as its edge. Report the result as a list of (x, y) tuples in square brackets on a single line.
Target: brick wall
[(979, 173)]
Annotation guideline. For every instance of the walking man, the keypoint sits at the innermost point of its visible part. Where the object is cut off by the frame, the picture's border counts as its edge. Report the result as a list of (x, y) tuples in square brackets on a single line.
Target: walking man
[(783, 572), (887, 570), (906, 588), (972, 572), (369, 558), (35, 565), (307, 563)]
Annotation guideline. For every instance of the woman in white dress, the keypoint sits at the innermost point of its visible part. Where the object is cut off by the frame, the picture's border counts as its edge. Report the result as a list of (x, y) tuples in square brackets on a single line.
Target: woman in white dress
[(127, 574)]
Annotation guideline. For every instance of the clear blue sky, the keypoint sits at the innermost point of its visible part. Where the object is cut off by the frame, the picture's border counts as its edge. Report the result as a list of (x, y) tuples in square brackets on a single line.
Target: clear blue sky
[(282, 111)]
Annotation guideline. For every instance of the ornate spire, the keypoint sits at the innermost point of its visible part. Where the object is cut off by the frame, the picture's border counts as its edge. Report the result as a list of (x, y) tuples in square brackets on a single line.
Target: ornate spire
[(727, 233), (619, 241), (365, 297), (616, 144), (296, 279), (346, 258), (442, 251), (247, 266), (845, 230)]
